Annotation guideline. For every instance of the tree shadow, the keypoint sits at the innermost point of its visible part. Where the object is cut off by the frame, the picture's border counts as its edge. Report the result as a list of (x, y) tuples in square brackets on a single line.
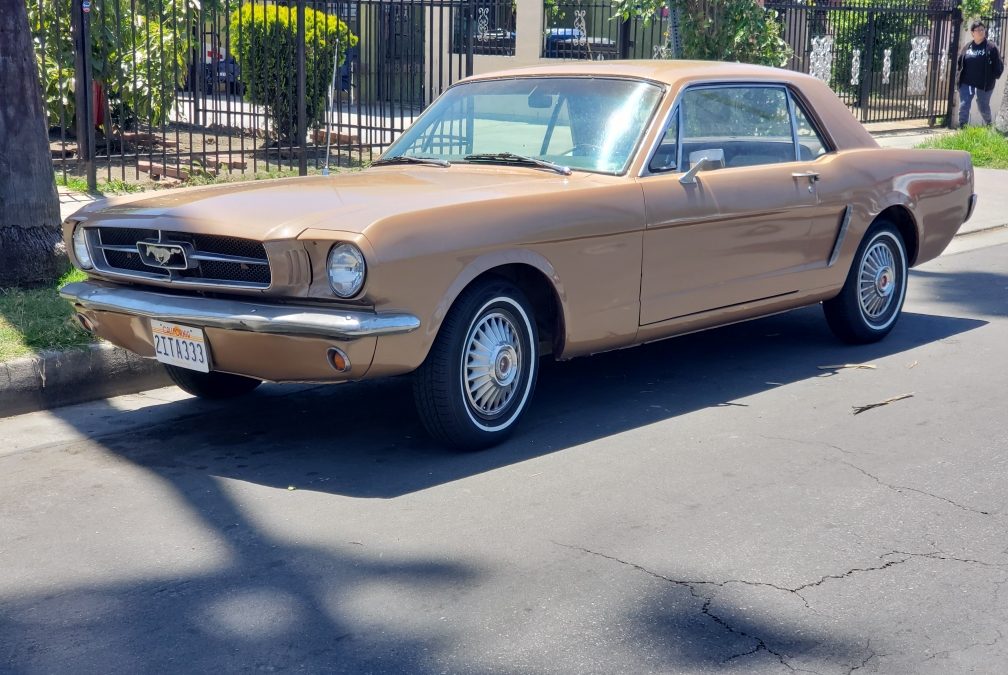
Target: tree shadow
[(695, 627), (977, 293), (273, 606)]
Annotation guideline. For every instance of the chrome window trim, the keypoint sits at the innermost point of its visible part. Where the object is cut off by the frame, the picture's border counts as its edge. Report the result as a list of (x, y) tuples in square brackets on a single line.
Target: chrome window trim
[(828, 145), (794, 124), (663, 88), (676, 107), (659, 137)]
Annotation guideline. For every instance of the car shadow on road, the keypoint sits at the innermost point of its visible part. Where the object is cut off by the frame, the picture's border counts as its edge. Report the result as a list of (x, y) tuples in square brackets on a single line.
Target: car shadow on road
[(365, 440)]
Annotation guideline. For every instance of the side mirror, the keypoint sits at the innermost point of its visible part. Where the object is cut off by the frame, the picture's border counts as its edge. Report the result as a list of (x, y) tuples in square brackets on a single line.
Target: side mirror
[(703, 160)]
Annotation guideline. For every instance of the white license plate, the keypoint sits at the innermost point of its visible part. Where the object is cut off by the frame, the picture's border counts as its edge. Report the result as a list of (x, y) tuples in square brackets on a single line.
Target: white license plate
[(181, 346)]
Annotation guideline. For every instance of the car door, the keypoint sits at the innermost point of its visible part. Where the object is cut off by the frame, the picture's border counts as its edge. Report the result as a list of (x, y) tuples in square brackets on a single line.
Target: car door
[(734, 234)]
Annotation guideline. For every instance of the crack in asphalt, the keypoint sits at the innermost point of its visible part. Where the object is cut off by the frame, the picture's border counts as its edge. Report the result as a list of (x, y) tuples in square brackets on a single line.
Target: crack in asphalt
[(897, 488), (800, 441), (938, 554), (972, 645), (851, 572), (871, 655), (902, 488), (761, 645)]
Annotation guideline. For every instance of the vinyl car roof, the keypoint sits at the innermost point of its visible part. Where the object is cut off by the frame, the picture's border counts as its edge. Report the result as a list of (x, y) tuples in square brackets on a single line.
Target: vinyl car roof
[(845, 131)]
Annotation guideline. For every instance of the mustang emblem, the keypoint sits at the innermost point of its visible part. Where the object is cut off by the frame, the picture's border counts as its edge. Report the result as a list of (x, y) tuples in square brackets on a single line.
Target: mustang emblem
[(167, 255), (160, 253)]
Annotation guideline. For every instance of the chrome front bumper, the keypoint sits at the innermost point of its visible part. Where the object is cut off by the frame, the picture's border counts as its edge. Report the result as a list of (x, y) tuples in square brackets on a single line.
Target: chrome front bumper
[(238, 314)]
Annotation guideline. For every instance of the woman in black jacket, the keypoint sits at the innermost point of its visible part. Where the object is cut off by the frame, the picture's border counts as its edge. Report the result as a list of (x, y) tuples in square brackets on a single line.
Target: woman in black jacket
[(980, 65)]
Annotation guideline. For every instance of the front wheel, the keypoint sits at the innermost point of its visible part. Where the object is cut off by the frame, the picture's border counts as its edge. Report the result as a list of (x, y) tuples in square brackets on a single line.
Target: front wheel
[(872, 297), (212, 385), (479, 376)]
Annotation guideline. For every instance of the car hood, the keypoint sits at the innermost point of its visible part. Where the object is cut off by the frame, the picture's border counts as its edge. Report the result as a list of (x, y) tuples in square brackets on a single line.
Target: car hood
[(346, 202)]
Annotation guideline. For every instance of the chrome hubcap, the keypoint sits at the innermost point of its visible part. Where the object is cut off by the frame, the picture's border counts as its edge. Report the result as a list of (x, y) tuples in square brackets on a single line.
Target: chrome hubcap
[(877, 281), (493, 360)]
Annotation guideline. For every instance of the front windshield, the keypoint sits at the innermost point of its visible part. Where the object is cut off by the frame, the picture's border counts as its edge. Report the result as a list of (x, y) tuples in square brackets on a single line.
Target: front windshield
[(592, 124)]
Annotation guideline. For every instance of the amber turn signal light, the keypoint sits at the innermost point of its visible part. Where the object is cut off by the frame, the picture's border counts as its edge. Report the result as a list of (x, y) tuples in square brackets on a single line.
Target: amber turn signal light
[(338, 359)]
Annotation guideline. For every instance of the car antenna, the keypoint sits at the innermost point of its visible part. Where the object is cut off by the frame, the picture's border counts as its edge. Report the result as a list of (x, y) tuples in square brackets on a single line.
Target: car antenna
[(328, 134)]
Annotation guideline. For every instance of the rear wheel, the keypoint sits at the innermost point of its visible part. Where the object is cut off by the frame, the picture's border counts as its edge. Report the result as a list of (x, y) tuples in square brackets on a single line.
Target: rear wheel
[(872, 297), (479, 376), (212, 385)]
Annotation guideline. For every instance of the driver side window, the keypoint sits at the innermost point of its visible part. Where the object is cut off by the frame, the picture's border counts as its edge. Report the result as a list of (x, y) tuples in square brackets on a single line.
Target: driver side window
[(749, 124)]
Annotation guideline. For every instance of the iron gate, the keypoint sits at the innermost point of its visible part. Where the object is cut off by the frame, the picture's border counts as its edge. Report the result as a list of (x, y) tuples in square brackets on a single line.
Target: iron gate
[(162, 88), (887, 60)]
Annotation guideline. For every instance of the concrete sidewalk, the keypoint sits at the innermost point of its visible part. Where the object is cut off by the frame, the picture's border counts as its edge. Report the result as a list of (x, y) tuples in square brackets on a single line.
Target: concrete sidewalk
[(60, 378), (70, 201)]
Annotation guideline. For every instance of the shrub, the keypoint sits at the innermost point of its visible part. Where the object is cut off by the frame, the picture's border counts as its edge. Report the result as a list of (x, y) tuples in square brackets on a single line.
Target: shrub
[(731, 30), (264, 42), (138, 54), (850, 28), (720, 30)]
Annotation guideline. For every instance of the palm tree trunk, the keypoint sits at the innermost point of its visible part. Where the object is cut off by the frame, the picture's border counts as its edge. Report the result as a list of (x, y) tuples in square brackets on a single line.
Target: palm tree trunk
[(31, 250)]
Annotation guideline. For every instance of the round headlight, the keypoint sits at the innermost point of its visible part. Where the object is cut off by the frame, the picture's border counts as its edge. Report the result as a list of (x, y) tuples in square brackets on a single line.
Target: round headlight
[(81, 249), (346, 270)]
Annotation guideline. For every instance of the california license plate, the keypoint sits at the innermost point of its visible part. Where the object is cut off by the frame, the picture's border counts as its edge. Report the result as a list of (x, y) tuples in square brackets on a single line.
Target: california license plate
[(181, 346)]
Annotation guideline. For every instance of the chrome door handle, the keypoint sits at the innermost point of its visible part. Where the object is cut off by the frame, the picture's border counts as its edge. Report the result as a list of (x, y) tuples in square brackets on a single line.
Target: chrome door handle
[(811, 175)]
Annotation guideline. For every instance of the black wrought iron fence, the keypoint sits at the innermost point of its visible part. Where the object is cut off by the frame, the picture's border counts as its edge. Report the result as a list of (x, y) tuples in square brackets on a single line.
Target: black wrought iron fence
[(888, 60), (997, 30), (575, 29), (492, 31), (181, 88)]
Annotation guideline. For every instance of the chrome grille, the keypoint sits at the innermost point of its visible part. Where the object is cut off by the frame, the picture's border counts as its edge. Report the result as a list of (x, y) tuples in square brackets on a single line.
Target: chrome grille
[(218, 260)]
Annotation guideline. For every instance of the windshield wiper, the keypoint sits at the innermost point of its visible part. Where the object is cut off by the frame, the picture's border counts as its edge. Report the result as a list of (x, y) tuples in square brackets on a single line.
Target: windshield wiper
[(511, 158), (409, 159)]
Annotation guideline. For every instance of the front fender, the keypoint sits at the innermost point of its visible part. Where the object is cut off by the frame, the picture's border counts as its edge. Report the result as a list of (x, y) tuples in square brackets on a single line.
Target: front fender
[(493, 260)]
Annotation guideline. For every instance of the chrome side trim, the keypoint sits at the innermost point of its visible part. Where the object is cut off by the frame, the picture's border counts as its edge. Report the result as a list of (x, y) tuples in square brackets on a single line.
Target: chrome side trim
[(841, 235), (971, 207), (238, 315)]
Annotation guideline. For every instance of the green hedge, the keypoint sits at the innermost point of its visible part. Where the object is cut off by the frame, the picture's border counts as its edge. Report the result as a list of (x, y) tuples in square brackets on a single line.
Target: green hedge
[(264, 42), (893, 30)]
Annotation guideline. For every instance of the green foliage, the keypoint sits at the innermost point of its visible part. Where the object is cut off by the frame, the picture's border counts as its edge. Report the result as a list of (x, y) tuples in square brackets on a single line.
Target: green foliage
[(973, 9), (138, 54), (264, 41), (988, 147), (851, 28), (109, 187), (720, 30), (732, 30), (34, 319)]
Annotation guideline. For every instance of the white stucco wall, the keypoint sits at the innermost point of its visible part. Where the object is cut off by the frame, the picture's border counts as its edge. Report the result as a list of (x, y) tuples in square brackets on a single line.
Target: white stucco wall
[(528, 41)]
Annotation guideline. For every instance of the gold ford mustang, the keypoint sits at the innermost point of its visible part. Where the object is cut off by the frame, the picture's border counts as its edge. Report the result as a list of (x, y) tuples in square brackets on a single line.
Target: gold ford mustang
[(562, 210)]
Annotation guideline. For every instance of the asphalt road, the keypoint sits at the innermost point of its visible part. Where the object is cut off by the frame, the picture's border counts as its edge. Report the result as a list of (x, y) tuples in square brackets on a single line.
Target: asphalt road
[(706, 504)]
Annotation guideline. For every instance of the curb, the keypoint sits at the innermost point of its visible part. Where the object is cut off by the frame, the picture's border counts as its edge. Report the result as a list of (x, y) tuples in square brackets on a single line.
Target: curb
[(57, 378)]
